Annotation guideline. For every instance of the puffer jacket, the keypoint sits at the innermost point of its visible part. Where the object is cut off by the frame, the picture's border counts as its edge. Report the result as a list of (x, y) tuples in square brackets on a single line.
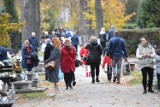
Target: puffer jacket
[(147, 61), (157, 57), (95, 51)]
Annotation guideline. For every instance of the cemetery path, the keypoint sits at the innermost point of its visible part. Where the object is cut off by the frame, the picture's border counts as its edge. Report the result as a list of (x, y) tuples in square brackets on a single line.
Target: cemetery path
[(102, 94)]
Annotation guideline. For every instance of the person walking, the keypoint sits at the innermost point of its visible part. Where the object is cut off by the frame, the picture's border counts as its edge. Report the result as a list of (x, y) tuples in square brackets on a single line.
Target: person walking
[(116, 51), (55, 54), (102, 38), (27, 51), (75, 41), (33, 41), (145, 53), (157, 57), (107, 69), (111, 32), (68, 58), (94, 57), (84, 54), (48, 49)]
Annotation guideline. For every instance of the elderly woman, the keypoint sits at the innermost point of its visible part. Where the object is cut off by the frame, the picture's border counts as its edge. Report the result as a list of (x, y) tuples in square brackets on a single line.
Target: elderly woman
[(145, 54), (27, 51), (68, 58), (54, 56), (94, 57)]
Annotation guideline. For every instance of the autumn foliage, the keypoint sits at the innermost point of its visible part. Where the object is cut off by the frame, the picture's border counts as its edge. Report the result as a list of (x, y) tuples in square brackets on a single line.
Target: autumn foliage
[(113, 14), (5, 28)]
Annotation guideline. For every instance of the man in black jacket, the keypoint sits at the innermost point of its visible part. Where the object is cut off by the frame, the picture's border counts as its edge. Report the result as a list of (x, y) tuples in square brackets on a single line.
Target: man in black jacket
[(94, 57)]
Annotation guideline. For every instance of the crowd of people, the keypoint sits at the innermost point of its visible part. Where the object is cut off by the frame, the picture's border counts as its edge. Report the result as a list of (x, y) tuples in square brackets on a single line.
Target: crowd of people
[(111, 49)]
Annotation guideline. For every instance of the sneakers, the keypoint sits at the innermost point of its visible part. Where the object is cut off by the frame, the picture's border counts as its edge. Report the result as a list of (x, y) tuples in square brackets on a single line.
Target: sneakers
[(109, 81), (97, 79)]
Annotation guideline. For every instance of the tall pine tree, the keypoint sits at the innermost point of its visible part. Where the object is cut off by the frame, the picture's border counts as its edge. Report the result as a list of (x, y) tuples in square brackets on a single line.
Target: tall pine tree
[(149, 14)]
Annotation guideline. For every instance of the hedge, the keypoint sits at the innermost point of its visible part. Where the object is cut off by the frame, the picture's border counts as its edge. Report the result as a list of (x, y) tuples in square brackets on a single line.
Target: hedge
[(132, 37)]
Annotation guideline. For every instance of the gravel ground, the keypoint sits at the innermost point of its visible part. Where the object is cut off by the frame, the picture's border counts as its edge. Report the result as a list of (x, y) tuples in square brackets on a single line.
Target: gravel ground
[(102, 94)]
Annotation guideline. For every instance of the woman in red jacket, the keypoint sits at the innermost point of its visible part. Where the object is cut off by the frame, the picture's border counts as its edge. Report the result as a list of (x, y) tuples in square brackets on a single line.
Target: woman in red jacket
[(68, 58), (84, 55)]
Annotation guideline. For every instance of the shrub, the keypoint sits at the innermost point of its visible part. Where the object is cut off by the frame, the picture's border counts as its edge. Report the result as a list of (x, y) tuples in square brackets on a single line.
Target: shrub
[(132, 36)]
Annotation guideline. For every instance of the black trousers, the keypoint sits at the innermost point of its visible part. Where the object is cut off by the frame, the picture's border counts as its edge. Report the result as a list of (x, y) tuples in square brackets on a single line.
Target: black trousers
[(94, 68), (109, 72), (68, 78), (147, 71), (103, 44)]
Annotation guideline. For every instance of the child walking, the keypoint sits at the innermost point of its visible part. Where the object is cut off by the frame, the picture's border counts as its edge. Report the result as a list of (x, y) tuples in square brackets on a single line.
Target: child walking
[(107, 60), (157, 57), (84, 55)]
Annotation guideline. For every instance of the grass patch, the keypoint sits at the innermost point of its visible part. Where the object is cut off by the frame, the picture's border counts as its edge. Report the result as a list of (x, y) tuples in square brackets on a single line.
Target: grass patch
[(35, 95), (137, 78)]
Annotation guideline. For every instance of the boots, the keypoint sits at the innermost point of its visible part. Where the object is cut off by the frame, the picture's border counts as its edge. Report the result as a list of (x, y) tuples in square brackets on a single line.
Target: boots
[(87, 74), (114, 79), (97, 79), (145, 91), (93, 81), (150, 90)]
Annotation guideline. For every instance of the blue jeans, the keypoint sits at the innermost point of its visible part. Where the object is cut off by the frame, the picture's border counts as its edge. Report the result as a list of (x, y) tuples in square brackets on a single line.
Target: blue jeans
[(116, 67), (158, 81)]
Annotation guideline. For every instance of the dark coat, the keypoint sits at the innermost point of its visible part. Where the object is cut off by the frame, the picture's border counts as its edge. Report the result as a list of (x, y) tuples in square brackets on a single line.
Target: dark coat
[(54, 56), (25, 56), (3, 54), (47, 51), (68, 58), (102, 37), (34, 42), (95, 51), (75, 40)]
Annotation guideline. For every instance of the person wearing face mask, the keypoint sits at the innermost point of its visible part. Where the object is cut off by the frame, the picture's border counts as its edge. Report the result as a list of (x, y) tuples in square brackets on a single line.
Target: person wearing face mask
[(145, 54), (68, 58)]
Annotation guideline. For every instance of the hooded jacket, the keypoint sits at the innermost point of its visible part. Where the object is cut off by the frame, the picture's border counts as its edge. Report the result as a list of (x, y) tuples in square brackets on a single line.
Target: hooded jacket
[(95, 51)]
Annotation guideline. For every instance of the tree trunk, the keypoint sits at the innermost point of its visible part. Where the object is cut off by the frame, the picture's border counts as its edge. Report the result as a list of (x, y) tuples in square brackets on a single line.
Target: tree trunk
[(99, 16), (84, 30), (31, 17)]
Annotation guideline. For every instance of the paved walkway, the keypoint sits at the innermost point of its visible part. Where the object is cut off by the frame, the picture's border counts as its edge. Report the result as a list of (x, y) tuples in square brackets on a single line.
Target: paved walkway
[(102, 94)]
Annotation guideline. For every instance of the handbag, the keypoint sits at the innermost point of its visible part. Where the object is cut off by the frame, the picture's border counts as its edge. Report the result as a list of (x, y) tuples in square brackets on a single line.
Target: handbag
[(111, 53), (50, 66), (29, 61)]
